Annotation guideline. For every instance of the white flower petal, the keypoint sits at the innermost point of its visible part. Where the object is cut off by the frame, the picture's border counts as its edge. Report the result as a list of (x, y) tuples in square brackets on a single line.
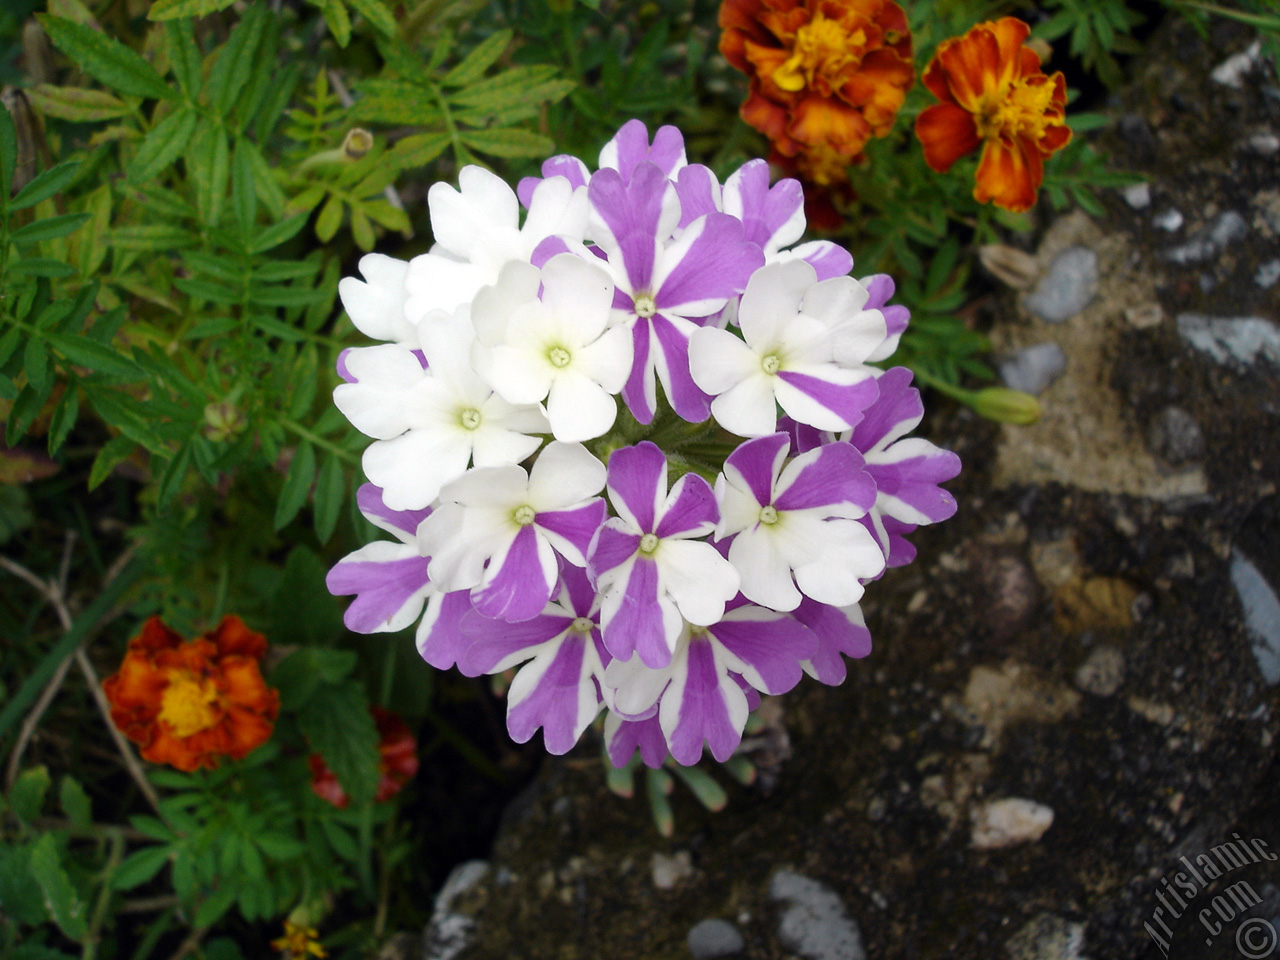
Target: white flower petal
[(579, 408), (608, 360), (412, 468), (748, 408), (435, 282), (773, 296), (699, 580), (766, 575), (376, 305), (519, 376), (463, 220), (493, 306), (563, 476), (718, 360), (579, 294)]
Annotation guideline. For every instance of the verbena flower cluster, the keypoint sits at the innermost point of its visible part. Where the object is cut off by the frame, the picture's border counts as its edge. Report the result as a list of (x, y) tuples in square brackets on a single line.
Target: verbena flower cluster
[(667, 558)]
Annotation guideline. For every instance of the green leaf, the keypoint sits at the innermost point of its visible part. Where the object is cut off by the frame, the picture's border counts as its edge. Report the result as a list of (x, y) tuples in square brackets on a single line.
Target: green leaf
[(341, 728), (75, 802), (303, 673), (279, 233), (209, 161), (96, 356), (172, 9), (140, 867), (50, 228), (26, 406), (485, 55), (278, 846), (417, 150), (296, 484), (243, 197), (43, 267), (395, 101), (330, 487), (45, 185), (377, 14), (112, 453), (216, 905), (175, 472), (184, 56), (77, 104), (508, 143), (20, 899), (64, 418), (9, 344), (8, 150), (60, 897), (236, 59), (35, 364), (106, 60), (335, 15), (27, 796), (329, 220)]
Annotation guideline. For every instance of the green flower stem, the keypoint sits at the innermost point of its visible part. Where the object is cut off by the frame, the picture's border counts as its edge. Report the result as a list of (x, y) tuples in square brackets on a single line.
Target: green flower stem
[(294, 427)]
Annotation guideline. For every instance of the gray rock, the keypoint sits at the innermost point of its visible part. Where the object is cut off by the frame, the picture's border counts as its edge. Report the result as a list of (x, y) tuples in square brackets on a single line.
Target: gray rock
[(449, 932), (814, 924), (1231, 339), (670, 870), (1231, 71), (1263, 143), (715, 938), (1175, 436), (1169, 220), (1227, 229), (1102, 672), (1138, 196), (1261, 615), (1047, 936), (1067, 287), (1033, 368), (1267, 275)]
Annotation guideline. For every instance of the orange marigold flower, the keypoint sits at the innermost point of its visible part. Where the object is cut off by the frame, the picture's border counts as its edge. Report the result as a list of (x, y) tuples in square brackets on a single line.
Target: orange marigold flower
[(994, 95), (299, 942), (826, 75), (188, 704), (397, 762)]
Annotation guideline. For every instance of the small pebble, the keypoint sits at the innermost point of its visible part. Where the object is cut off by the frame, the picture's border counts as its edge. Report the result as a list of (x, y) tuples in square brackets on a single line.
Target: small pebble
[(1228, 228), (1144, 316), (1231, 339), (670, 870), (1102, 673), (1261, 615), (1033, 368), (1224, 231), (1067, 287), (814, 924), (1047, 936), (1138, 196), (1175, 436), (1267, 275), (715, 938), (1264, 143), (1169, 220), (1009, 822), (1231, 71)]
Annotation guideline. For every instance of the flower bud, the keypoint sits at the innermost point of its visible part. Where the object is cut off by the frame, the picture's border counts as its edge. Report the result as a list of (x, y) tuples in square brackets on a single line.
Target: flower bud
[(222, 421), (1007, 406), (358, 142)]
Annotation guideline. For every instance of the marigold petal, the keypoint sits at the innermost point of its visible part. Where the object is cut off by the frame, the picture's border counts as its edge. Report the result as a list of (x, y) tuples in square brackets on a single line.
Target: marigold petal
[(972, 65), (1055, 138), (232, 637), (245, 730), (1011, 33), (947, 133), (1009, 174), (767, 117), (819, 122), (155, 636)]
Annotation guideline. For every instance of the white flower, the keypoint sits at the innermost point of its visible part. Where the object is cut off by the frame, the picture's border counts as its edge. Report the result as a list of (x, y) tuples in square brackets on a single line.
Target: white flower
[(376, 304)]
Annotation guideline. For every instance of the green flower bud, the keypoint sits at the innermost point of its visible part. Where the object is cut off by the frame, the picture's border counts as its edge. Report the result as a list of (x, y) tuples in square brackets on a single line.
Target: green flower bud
[(1006, 406)]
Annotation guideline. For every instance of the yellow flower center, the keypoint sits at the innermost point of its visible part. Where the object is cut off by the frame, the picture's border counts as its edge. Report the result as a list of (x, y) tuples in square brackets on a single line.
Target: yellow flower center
[(822, 47), (1018, 110), (190, 704)]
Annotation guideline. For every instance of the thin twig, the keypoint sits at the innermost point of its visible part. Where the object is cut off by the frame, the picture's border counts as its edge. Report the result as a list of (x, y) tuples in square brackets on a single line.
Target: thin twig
[(149, 904), (32, 720), (189, 944)]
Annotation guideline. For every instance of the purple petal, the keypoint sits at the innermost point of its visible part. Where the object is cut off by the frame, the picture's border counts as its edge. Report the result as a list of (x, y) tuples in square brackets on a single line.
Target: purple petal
[(638, 625), (440, 638), (632, 213), (758, 463), (342, 366), (495, 642), (833, 474), (716, 266), (685, 396), (554, 700), (403, 523), (699, 193), (765, 211), (576, 526), (639, 392), (691, 506), (576, 591), (880, 288), (773, 645), (643, 734), (836, 632), (548, 248), (630, 148), (914, 482), (845, 401), (897, 410), (638, 483), (828, 259), (384, 591), (694, 709), (803, 437), (563, 165), (612, 548), (517, 584), (637, 252), (901, 550)]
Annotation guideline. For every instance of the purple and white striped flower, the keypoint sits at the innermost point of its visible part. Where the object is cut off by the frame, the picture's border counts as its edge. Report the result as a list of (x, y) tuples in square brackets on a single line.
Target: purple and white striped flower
[(786, 356), (651, 570), (498, 530), (558, 689), (795, 529)]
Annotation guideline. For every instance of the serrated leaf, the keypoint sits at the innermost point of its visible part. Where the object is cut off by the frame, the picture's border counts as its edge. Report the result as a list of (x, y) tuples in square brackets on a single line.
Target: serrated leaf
[(107, 60), (172, 9), (335, 16), (293, 494), (503, 89), (329, 220), (64, 419), (96, 356), (244, 198), (77, 104), (508, 143), (279, 233), (236, 59), (377, 14), (50, 228), (26, 798), (330, 489), (480, 59), (417, 150), (65, 907), (209, 161), (361, 229), (393, 218), (395, 102), (51, 181), (8, 151), (216, 905), (174, 473), (75, 802), (184, 56), (43, 267), (341, 729), (113, 452), (20, 899), (303, 673), (163, 144), (151, 237), (35, 364), (139, 867)]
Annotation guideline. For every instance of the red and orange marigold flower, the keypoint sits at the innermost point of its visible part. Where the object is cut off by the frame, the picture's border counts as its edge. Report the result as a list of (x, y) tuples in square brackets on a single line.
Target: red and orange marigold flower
[(397, 762), (188, 704), (826, 76), (995, 96)]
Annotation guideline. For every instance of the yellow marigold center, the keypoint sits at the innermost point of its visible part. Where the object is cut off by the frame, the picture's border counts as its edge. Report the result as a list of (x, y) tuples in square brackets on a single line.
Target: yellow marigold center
[(822, 47), (1019, 110), (190, 704)]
